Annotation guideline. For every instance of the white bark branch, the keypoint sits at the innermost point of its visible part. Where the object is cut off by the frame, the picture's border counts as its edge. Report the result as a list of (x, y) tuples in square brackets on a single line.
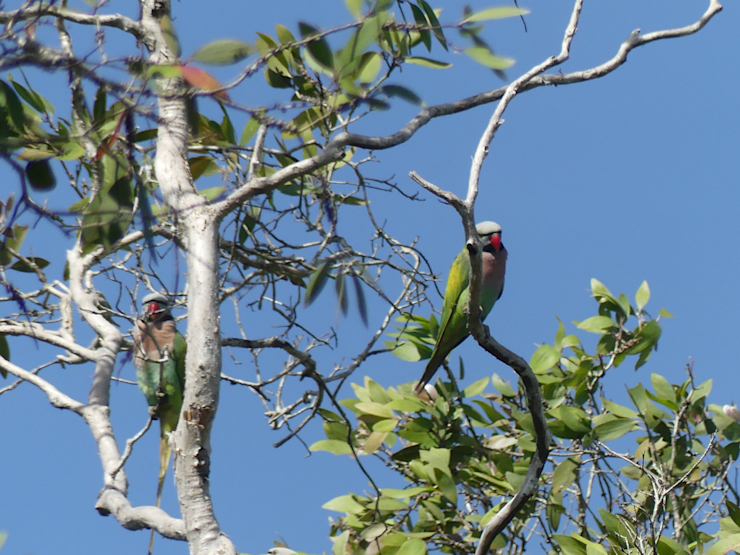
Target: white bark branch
[(47, 9), (56, 397), (198, 227), (39, 332)]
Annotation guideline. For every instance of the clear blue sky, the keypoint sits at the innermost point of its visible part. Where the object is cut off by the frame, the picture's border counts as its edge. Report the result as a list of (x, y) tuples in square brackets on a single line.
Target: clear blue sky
[(631, 177)]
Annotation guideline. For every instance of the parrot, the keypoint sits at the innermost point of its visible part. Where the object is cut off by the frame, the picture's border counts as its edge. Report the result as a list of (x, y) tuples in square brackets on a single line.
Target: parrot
[(159, 358), (453, 328)]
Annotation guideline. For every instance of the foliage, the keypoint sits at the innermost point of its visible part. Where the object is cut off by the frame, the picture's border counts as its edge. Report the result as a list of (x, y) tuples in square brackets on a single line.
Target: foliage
[(291, 210), (644, 474), (283, 243)]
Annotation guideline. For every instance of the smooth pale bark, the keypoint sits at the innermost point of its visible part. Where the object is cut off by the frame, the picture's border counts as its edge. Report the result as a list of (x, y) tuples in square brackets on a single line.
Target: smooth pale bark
[(197, 227)]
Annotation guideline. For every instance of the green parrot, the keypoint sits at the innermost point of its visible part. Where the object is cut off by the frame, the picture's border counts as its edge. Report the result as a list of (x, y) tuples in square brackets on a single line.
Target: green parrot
[(453, 328), (159, 357)]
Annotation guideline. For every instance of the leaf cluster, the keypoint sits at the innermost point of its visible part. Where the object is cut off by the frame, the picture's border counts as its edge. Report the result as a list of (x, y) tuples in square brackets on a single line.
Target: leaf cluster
[(622, 478)]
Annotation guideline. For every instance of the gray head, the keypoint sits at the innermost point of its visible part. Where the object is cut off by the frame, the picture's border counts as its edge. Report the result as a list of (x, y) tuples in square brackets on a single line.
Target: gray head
[(490, 234), (156, 307)]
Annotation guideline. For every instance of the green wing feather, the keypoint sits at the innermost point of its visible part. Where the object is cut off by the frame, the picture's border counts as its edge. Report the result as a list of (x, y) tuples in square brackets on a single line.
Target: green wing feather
[(173, 384), (169, 377), (452, 329)]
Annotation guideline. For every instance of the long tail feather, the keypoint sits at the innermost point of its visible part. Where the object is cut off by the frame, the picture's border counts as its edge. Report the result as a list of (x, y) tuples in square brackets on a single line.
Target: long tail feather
[(164, 462), (429, 372)]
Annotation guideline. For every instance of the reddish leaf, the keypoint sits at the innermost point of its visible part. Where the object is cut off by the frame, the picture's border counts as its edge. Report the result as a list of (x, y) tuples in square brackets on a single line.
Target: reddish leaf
[(107, 145), (203, 81)]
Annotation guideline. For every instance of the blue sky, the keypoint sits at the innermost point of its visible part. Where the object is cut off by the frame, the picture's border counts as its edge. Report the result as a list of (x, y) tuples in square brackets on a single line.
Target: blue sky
[(631, 177)]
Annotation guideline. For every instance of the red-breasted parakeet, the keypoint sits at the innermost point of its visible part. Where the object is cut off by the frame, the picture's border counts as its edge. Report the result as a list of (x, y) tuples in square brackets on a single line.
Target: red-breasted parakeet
[(453, 328), (159, 357)]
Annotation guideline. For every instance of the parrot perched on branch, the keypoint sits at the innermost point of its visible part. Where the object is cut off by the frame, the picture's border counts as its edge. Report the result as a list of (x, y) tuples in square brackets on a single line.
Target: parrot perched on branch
[(159, 357), (453, 328)]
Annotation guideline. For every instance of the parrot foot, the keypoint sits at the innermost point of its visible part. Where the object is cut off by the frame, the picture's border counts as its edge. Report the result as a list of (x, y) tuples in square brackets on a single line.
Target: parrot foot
[(154, 413)]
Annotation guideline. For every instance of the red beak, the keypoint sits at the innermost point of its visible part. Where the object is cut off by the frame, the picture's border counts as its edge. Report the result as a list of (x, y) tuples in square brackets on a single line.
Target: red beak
[(496, 241), (152, 308)]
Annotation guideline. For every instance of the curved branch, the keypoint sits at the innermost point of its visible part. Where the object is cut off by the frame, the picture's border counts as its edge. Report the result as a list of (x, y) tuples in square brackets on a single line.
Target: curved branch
[(529, 80), (334, 150), (56, 397), (37, 331), (41, 9)]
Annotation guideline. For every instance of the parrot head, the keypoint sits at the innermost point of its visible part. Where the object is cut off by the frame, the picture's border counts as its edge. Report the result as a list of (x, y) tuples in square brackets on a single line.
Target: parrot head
[(155, 306), (490, 234)]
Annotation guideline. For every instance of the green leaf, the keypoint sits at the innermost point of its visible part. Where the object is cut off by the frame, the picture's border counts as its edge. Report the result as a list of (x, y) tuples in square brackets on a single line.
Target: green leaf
[(318, 48), (596, 324), (405, 350), (427, 62), (73, 150), (374, 409), (434, 22), (317, 282), (9, 98), (340, 544), (344, 504), (360, 296), (413, 546), (277, 80), (544, 358), (485, 57), (725, 545), (40, 175), (100, 105), (624, 304), (404, 93), (663, 388), (34, 154), (284, 35), (664, 313), (639, 398), (564, 475), (405, 493), (21, 266), (34, 99), (212, 193), (619, 410), (249, 130), (574, 418), (374, 442), (475, 388), (371, 68), (501, 12), (423, 25), (569, 545), (503, 387), (223, 52), (4, 352), (648, 335), (732, 509), (202, 165), (385, 426), (615, 428), (642, 296), (446, 485), (334, 446), (341, 292), (354, 7), (599, 289)]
